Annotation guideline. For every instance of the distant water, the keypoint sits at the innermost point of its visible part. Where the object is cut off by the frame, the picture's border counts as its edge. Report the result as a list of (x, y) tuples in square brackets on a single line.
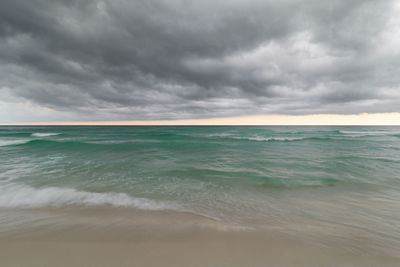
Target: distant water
[(341, 182)]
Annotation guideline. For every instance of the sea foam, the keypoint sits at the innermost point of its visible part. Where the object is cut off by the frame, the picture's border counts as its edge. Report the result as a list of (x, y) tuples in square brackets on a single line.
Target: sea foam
[(20, 196), (11, 142), (270, 139), (44, 134)]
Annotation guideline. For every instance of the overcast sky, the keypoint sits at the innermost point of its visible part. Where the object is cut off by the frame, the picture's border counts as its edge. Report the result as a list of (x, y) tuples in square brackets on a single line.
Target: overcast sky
[(169, 59)]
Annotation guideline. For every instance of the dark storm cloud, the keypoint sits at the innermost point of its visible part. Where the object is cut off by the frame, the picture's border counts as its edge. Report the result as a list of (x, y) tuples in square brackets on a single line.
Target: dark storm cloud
[(157, 59)]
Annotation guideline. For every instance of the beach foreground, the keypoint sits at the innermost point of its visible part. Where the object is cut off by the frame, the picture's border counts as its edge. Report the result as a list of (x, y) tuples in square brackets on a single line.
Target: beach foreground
[(123, 237)]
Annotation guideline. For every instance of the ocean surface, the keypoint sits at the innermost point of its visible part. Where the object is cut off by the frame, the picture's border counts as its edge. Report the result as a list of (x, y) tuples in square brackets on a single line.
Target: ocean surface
[(328, 184)]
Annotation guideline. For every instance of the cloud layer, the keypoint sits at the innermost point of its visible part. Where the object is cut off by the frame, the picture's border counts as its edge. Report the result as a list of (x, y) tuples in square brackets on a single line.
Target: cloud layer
[(177, 59)]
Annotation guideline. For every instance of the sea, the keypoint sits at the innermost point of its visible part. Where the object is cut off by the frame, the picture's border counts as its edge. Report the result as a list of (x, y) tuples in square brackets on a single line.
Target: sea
[(333, 185)]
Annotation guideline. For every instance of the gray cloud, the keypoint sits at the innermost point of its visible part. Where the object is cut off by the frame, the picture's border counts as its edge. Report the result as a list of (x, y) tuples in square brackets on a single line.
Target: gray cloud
[(176, 59)]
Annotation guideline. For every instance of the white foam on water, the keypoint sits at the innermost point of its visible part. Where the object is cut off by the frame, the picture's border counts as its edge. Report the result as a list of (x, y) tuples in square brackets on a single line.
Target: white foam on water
[(271, 139), (363, 133), (11, 142), (44, 134), (221, 135), (13, 195)]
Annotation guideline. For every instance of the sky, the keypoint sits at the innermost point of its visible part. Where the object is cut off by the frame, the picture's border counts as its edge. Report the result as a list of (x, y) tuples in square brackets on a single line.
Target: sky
[(199, 61)]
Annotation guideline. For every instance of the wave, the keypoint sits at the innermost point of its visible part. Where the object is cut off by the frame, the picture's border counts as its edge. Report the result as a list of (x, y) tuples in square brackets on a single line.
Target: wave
[(77, 144), (324, 132), (343, 137), (68, 144), (46, 142), (284, 139), (127, 144), (44, 134), (228, 136), (13, 142), (355, 134), (274, 139), (289, 136), (21, 196)]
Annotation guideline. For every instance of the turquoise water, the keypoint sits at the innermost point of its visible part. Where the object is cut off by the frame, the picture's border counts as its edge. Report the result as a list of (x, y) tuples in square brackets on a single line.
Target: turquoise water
[(340, 180)]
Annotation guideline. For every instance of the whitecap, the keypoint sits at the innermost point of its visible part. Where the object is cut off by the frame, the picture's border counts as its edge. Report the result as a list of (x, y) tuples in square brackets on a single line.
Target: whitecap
[(11, 142), (267, 139), (44, 134)]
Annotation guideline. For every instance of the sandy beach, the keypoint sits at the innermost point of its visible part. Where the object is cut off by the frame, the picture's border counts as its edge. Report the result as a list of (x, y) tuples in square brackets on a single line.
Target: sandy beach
[(126, 237)]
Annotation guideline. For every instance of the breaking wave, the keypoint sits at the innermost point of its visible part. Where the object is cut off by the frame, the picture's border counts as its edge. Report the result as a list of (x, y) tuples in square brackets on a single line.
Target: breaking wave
[(14, 142), (20, 196), (273, 139), (44, 134)]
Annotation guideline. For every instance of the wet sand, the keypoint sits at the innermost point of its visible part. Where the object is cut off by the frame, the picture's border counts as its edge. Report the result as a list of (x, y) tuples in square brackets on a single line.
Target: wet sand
[(98, 237)]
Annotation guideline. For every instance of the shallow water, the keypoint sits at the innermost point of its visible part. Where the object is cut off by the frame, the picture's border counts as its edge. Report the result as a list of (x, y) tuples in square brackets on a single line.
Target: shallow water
[(339, 186)]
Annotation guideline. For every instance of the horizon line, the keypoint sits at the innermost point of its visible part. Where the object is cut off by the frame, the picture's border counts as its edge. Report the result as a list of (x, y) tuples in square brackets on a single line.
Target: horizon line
[(362, 119)]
